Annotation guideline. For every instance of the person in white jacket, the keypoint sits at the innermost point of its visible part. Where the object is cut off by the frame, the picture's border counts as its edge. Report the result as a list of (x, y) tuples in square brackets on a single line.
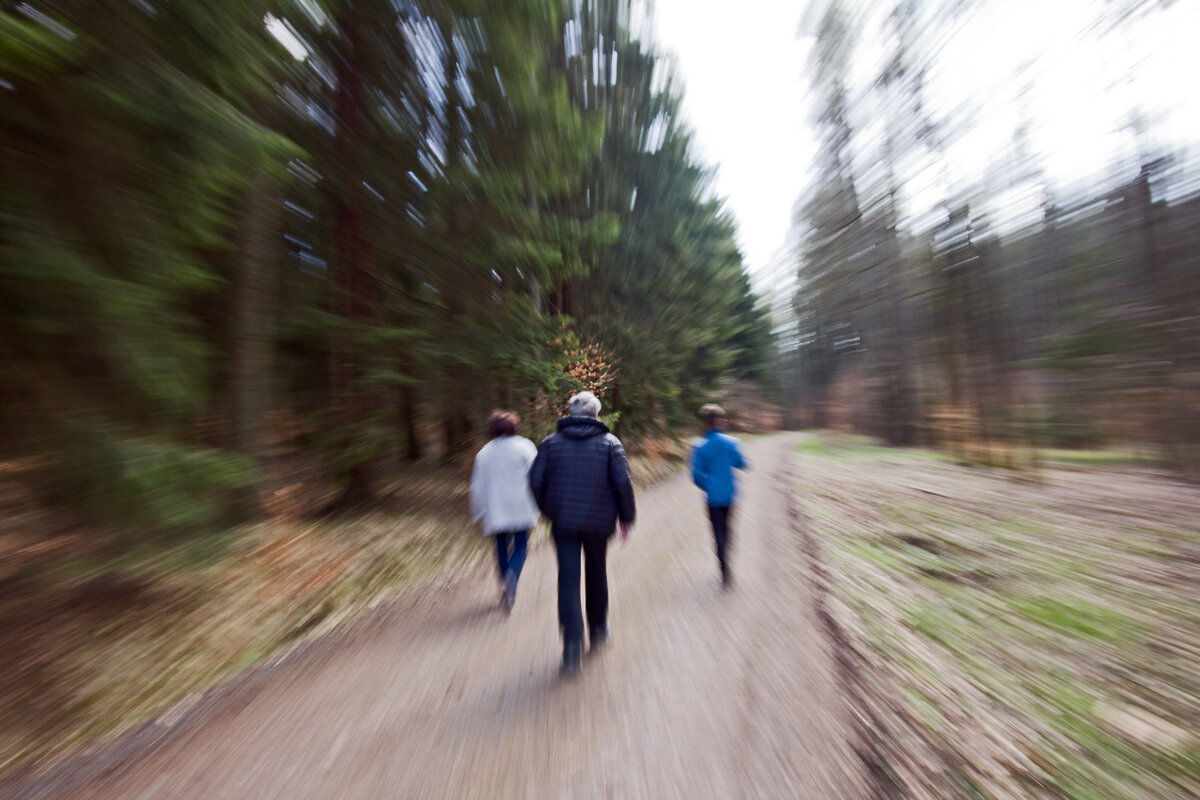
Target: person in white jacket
[(501, 501)]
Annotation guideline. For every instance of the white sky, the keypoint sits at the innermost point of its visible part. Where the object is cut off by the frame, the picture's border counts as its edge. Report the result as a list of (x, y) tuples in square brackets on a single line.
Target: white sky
[(743, 67)]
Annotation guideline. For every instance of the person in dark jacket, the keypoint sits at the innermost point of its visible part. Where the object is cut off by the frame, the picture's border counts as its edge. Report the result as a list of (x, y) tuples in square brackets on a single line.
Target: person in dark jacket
[(714, 458), (580, 480)]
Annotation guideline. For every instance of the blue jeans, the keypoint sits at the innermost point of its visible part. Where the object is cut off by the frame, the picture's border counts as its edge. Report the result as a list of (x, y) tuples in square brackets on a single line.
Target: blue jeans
[(511, 548)]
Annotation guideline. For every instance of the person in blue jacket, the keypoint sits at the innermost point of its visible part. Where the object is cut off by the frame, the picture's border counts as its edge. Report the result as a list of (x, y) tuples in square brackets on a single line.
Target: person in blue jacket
[(715, 456)]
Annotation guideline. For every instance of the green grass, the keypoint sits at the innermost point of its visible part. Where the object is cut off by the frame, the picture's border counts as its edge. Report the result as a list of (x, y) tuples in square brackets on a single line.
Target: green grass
[(1095, 457), (1079, 619), (845, 446), (853, 447)]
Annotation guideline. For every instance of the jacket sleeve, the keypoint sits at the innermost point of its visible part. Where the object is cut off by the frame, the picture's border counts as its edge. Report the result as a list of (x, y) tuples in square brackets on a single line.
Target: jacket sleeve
[(477, 492), (739, 459), (621, 481), (537, 476), (699, 473)]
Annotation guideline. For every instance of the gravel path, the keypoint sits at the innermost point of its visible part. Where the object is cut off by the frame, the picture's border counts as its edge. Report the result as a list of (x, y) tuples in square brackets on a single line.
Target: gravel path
[(704, 693)]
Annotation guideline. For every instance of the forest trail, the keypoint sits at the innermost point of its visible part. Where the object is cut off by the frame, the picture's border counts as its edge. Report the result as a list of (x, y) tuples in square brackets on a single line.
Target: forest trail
[(704, 692)]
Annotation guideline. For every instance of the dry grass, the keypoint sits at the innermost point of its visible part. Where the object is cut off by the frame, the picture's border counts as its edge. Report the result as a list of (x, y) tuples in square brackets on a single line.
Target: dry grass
[(1010, 639)]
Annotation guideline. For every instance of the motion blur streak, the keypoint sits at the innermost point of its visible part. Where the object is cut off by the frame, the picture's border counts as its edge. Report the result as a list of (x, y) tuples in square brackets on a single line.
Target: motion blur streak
[(266, 267)]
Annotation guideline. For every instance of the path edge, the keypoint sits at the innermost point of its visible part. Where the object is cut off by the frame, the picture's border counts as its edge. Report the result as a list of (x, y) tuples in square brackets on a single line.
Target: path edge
[(867, 744)]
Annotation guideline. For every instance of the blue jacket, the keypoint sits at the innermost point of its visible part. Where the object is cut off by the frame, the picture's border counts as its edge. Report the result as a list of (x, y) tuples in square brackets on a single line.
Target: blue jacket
[(714, 458), (580, 478)]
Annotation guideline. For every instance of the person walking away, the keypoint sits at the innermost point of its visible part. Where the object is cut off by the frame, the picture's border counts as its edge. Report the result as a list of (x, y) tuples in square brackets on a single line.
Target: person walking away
[(715, 456), (501, 502), (580, 480)]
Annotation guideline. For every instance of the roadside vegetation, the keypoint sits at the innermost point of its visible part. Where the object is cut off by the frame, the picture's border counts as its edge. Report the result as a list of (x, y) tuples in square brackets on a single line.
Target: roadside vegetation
[(112, 633), (1005, 638)]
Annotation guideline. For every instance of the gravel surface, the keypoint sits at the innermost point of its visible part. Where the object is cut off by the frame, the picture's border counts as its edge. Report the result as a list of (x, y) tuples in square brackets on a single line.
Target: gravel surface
[(704, 692)]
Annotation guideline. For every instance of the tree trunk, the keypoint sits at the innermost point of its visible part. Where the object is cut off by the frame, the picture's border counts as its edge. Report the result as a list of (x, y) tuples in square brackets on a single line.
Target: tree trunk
[(352, 301), (252, 330), (408, 421)]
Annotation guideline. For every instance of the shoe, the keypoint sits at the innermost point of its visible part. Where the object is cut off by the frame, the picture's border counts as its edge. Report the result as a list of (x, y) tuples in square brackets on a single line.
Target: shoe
[(600, 637), (572, 661), (726, 578), (509, 597)]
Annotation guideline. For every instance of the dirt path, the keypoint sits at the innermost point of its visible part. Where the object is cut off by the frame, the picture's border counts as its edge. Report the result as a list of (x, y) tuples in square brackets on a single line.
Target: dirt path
[(704, 693)]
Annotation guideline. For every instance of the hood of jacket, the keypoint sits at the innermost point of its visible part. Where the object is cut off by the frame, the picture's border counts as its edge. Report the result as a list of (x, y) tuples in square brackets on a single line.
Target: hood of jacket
[(581, 427)]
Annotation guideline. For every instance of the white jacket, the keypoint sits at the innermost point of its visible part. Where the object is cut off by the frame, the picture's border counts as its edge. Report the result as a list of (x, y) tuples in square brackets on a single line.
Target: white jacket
[(500, 493)]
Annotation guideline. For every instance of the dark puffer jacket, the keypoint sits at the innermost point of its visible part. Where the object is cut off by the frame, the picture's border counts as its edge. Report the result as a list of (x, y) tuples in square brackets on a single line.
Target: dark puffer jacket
[(580, 478)]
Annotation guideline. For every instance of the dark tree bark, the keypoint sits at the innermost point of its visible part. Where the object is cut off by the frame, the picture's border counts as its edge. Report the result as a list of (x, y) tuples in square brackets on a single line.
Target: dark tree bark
[(352, 302), (252, 326)]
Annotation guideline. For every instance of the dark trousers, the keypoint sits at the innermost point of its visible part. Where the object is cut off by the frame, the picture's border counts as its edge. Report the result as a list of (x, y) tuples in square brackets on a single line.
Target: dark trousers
[(511, 547), (594, 548), (720, 522)]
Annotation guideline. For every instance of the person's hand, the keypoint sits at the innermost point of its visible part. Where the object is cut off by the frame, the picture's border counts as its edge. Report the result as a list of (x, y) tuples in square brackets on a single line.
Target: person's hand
[(624, 526)]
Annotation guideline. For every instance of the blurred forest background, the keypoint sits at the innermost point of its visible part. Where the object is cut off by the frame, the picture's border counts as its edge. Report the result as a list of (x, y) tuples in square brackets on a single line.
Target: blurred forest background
[(244, 242), (995, 316), (240, 237)]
